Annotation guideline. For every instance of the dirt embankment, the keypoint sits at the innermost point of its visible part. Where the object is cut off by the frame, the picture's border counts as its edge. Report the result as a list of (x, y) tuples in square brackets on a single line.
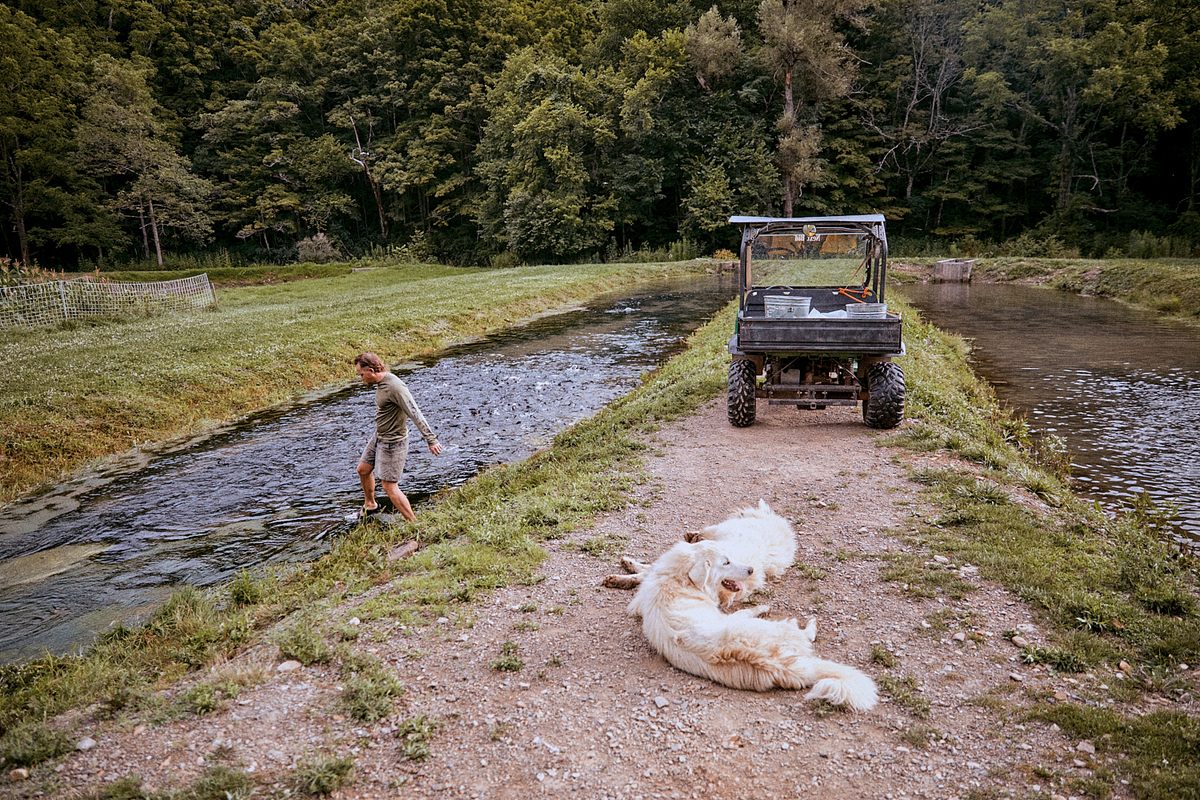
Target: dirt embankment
[(594, 713)]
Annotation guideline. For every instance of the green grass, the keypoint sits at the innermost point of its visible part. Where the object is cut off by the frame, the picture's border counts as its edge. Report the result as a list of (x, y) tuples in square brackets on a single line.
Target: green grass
[(903, 692), (370, 687), (323, 776), (1106, 590), (1102, 587), (69, 396), (509, 660), (883, 657), (416, 735), (217, 782), (921, 580), (303, 643), (1111, 585), (222, 275), (1159, 752), (32, 743)]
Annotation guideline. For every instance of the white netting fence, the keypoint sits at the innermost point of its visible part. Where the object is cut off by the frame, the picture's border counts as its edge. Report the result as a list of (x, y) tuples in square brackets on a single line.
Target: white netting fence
[(37, 304)]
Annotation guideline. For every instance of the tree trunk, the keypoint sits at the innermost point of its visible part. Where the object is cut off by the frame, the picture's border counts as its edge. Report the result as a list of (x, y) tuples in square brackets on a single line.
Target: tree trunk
[(22, 234), (378, 199), (1194, 184), (154, 230), (789, 104), (145, 238), (1067, 153), (789, 120), (1064, 174)]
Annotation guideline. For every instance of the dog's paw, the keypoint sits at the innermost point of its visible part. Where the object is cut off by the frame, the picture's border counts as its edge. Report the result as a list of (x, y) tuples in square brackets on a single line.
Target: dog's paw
[(621, 581), (760, 610), (809, 630), (632, 564)]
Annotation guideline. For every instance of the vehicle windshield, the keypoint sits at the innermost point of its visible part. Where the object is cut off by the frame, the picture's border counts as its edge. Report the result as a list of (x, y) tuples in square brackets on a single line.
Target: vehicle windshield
[(796, 259), (814, 251)]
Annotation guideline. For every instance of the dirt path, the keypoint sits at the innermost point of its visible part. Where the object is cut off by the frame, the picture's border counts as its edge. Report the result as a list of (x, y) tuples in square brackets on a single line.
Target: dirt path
[(595, 714)]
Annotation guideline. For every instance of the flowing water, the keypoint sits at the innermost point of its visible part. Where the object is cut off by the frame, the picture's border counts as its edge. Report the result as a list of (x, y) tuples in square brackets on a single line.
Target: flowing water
[(111, 546), (1119, 385)]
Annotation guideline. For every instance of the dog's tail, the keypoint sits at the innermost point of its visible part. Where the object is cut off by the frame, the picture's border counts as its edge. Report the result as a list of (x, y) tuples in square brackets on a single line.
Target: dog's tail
[(839, 684)]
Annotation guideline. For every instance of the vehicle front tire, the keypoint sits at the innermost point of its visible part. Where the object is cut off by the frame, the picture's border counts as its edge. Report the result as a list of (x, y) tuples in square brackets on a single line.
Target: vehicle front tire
[(742, 378), (884, 405)]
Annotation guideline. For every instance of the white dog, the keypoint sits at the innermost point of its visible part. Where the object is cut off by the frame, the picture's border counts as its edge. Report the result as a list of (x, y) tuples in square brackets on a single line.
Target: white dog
[(755, 536), (678, 601)]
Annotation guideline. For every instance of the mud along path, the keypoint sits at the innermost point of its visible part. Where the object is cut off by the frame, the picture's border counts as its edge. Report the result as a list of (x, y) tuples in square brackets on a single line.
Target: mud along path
[(594, 713)]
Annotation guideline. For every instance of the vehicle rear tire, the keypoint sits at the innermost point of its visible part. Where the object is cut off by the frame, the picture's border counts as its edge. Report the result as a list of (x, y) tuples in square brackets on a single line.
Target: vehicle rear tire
[(884, 405), (742, 378)]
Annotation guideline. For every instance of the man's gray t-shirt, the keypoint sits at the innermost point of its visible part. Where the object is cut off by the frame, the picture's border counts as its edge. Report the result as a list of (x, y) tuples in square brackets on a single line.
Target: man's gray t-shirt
[(394, 406)]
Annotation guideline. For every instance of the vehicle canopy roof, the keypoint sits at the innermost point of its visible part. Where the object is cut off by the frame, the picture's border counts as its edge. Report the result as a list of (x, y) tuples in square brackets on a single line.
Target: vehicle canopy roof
[(871, 224), (844, 218)]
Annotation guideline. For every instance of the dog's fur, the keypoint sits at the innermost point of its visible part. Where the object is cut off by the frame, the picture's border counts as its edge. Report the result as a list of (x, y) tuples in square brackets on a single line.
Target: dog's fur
[(755, 536), (678, 601)]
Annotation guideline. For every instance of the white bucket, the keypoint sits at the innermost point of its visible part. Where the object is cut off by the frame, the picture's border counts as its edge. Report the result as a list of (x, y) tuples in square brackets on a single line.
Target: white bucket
[(782, 306), (866, 310)]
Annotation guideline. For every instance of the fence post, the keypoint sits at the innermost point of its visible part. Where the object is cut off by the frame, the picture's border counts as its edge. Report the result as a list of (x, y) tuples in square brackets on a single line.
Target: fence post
[(62, 295)]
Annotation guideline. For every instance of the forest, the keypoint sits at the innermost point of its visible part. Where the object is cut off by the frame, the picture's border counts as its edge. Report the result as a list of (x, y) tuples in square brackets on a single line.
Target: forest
[(499, 132)]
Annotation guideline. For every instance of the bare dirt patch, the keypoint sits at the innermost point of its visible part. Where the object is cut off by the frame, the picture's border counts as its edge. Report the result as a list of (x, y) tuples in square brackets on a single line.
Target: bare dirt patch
[(593, 712)]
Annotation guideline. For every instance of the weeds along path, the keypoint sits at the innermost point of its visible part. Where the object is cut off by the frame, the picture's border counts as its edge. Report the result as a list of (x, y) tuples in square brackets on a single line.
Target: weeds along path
[(549, 689)]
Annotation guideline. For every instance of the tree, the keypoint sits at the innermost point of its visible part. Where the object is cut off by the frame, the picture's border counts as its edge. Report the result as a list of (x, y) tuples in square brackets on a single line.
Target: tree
[(1088, 74), (714, 46), (911, 106), (803, 49), (544, 157), (46, 199), (122, 139)]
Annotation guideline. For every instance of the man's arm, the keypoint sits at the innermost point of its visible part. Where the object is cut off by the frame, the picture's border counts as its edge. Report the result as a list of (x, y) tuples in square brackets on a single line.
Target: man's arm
[(409, 405)]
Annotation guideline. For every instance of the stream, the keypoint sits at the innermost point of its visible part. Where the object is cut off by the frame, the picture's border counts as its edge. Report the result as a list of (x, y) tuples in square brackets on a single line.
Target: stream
[(110, 546)]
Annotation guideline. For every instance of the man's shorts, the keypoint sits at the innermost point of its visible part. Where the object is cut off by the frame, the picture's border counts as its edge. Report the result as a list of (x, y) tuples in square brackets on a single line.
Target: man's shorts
[(387, 458)]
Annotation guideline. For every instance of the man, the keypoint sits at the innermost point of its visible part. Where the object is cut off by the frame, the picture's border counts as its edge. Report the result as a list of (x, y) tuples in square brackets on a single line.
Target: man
[(387, 449)]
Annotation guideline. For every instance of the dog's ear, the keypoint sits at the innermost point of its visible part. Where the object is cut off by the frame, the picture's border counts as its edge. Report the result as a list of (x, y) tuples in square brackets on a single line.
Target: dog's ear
[(702, 566)]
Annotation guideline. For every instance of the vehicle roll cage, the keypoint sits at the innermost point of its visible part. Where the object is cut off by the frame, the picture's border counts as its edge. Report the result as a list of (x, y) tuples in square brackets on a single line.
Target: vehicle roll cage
[(869, 226)]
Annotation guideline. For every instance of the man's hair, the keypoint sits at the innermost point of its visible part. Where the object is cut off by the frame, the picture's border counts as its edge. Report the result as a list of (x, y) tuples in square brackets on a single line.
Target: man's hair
[(370, 361)]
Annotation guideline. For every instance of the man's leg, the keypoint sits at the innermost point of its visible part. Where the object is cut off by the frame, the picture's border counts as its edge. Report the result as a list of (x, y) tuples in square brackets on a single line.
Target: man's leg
[(399, 500), (366, 476)]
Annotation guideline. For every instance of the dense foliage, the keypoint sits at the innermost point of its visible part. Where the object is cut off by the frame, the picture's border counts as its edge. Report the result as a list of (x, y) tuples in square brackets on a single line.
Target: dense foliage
[(496, 131)]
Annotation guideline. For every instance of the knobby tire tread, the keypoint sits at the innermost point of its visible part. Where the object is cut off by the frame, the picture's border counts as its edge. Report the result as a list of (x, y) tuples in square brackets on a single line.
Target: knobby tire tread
[(884, 406), (742, 378)]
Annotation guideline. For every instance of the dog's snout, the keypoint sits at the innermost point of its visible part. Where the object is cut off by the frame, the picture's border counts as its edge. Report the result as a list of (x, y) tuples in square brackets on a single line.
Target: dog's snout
[(749, 570)]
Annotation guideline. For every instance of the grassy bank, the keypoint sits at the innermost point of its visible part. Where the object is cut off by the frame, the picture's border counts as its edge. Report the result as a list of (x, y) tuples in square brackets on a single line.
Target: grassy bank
[(1168, 286), (243, 276), (68, 396)]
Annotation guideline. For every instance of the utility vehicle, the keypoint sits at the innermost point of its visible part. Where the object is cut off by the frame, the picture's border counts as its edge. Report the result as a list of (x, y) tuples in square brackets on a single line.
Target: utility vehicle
[(815, 346)]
